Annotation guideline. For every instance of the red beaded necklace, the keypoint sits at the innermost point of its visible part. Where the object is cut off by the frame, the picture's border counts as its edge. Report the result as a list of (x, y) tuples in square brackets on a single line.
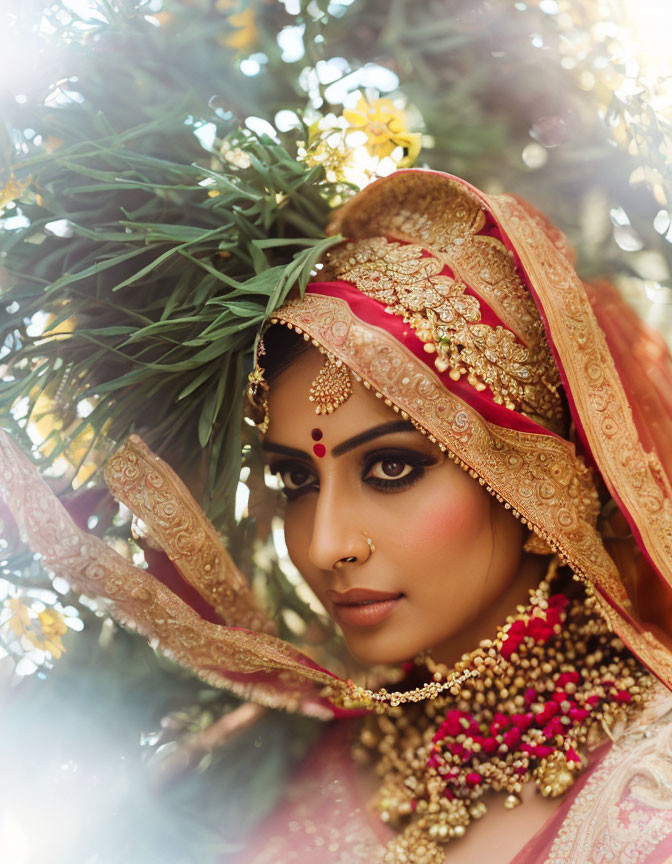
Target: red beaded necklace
[(547, 688)]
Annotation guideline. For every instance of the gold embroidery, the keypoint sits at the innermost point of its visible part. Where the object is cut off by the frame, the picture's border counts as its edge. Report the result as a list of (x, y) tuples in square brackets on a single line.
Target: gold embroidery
[(448, 321), (154, 493), (539, 477), (594, 382), (445, 217), (613, 818), (253, 665)]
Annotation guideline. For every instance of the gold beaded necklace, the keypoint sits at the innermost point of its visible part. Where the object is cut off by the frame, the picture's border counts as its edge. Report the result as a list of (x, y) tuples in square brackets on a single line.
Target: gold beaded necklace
[(547, 688)]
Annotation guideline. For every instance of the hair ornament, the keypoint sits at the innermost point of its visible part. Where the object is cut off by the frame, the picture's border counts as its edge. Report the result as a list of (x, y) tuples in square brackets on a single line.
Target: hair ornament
[(331, 387)]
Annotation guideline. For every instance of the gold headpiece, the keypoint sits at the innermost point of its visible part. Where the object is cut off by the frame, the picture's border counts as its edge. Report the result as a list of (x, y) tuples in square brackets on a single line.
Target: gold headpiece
[(331, 387), (447, 317)]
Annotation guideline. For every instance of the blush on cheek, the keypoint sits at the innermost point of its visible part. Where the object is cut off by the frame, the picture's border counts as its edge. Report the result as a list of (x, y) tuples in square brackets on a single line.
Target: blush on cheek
[(442, 519)]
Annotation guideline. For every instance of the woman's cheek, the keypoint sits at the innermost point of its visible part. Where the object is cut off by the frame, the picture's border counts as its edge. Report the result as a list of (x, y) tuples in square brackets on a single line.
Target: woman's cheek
[(440, 519)]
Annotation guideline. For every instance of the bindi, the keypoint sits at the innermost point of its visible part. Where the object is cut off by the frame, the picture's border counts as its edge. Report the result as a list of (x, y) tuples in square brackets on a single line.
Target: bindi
[(318, 449)]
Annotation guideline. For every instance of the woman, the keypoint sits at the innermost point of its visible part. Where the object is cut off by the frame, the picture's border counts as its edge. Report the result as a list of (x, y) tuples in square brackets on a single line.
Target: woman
[(458, 433)]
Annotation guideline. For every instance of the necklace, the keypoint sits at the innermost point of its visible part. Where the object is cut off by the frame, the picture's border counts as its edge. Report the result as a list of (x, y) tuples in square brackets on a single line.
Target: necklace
[(549, 686)]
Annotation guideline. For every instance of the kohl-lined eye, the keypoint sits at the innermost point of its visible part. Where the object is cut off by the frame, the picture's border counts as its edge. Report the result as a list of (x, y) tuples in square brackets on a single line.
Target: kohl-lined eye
[(390, 469), (294, 477), (394, 470)]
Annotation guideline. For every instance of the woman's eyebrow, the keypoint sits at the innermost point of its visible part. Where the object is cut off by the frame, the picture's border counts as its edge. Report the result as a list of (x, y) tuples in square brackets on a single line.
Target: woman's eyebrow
[(270, 447), (370, 434), (348, 444)]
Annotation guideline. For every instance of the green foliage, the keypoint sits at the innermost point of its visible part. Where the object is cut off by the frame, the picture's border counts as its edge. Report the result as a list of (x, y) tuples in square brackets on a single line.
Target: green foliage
[(165, 287)]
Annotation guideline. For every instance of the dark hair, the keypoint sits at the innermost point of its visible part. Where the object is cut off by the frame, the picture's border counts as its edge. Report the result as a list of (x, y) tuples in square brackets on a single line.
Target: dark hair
[(283, 346)]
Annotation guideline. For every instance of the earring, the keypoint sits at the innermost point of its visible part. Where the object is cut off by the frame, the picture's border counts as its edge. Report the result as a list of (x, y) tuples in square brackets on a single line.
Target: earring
[(257, 391)]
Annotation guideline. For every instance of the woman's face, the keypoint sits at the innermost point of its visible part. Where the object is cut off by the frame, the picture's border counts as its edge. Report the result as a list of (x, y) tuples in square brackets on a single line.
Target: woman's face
[(442, 551)]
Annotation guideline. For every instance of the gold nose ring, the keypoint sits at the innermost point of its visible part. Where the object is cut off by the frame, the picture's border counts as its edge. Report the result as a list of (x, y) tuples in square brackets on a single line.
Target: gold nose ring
[(369, 543)]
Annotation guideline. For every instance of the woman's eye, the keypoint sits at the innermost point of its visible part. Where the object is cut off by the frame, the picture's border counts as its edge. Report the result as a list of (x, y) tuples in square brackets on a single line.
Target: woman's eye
[(296, 478), (390, 469)]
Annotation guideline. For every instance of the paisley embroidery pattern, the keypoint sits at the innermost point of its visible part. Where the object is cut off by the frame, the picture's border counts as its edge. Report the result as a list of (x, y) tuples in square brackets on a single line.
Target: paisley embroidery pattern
[(253, 664), (422, 289), (624, 811)]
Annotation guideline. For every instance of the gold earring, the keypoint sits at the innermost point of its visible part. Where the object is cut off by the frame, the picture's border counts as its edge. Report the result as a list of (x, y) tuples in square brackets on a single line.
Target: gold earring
[(257, 391)]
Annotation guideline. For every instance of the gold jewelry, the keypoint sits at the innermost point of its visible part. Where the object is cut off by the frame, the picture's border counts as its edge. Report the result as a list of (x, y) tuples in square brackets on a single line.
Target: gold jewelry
[(551, 683), (257, 392), (414, 282), (341, 561), (369, 543), (331, 387)]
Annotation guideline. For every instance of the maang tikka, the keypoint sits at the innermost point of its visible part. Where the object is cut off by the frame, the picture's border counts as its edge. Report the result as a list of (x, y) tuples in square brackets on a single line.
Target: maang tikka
[(331, 387)]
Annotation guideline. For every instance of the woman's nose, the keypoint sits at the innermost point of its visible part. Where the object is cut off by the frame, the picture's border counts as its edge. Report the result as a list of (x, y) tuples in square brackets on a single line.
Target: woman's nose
[(337, 537)]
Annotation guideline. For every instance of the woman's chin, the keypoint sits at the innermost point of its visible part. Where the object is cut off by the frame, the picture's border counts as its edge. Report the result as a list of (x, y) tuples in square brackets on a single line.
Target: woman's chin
[(382, 652)]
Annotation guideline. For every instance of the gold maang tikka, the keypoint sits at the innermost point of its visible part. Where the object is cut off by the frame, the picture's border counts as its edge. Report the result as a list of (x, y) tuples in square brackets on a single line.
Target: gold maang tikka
[(331, 387)]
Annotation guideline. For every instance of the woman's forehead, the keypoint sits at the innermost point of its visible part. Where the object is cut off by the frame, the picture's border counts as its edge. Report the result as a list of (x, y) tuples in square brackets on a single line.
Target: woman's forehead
[(294, 421)]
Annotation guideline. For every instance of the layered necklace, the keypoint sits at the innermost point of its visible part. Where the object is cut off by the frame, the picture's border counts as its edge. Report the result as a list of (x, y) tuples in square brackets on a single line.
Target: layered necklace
[(548, 687)]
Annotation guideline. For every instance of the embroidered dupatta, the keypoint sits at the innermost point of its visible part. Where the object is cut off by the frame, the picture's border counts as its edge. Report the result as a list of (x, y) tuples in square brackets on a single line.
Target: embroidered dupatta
[(517, 269)]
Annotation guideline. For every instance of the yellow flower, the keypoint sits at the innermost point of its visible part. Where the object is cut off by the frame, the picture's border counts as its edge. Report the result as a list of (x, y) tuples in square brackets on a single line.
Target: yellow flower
[(20, 620), (244, 24), (12, 190), (47, 418), (53, 623), (53, 627), (44, 632), (385, 128), (334, 160), (58, 332)]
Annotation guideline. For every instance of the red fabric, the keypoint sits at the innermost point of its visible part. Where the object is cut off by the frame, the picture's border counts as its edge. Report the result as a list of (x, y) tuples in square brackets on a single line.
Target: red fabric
[(373, 312)]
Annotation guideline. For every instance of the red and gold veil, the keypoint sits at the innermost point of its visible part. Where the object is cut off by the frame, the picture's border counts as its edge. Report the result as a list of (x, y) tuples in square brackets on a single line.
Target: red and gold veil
[(463, 312)]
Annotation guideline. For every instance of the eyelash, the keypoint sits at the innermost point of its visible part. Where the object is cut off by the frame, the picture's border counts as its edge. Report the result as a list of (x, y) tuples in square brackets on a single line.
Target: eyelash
[(417, 461)]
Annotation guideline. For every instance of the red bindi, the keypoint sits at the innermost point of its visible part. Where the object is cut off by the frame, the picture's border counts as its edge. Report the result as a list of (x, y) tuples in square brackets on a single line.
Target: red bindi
[(316, 434), (319, 450)]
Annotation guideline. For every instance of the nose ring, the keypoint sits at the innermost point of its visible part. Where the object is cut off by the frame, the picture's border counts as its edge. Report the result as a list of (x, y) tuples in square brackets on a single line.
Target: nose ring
[(352, 559), (369, 543)]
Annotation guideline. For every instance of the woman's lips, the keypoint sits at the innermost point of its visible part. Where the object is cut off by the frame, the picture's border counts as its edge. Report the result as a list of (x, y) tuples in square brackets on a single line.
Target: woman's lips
[(360, 607)]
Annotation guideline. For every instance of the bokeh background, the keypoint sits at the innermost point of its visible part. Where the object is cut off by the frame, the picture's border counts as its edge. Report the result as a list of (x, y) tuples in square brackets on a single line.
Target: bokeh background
[(156, 155)]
